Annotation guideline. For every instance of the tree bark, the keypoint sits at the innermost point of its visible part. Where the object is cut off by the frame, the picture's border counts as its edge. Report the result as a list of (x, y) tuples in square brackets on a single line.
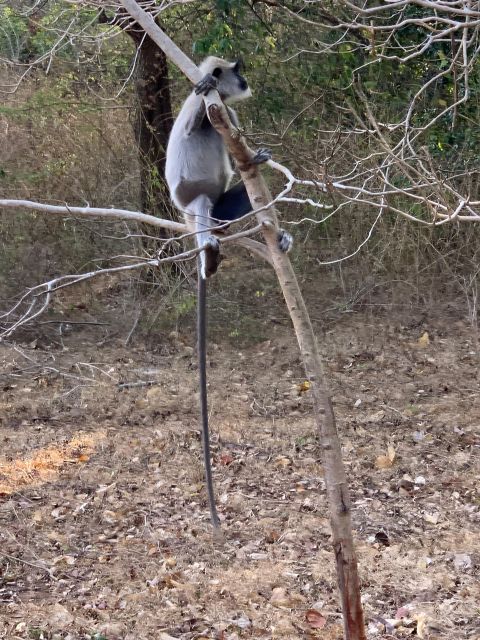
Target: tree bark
[(153, 123), (153, 119), (335, 477)]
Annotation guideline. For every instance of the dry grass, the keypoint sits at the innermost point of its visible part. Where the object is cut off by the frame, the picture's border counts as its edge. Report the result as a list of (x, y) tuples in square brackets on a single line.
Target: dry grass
[(126, 537), (45, 464)]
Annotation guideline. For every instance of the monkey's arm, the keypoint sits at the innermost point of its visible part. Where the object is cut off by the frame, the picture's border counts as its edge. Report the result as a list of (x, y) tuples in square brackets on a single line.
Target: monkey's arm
[(261, 155), (206, 84), (195, 113)]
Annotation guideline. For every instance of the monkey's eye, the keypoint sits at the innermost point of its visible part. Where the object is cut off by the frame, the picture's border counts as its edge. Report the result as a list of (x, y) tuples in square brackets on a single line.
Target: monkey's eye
[(216, 72)]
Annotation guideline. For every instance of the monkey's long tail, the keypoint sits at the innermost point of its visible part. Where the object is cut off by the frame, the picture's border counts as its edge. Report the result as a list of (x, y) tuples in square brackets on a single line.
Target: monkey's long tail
[(202, 371)]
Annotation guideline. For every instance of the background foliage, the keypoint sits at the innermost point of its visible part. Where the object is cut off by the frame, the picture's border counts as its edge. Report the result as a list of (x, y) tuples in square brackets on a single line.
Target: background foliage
[(68, 135)]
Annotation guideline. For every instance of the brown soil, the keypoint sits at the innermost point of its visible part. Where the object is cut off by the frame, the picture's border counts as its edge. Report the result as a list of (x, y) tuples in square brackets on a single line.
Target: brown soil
[(105, 530)]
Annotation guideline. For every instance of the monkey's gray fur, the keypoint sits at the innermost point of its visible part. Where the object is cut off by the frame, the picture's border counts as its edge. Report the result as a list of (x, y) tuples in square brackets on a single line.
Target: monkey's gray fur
[(198, 168)]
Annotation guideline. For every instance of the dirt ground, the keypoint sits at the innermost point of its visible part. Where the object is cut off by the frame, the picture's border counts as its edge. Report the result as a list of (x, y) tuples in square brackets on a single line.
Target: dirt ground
[(105, 531)]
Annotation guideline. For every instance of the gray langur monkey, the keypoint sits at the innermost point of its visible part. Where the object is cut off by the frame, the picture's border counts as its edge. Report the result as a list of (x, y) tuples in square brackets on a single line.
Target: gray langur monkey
[(198, 168), (198, 172)]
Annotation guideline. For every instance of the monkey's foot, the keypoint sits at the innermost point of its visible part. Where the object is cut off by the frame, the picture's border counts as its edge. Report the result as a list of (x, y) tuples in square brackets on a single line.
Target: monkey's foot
[(261, 155), (212, 257), (206, 84), (285, 241)]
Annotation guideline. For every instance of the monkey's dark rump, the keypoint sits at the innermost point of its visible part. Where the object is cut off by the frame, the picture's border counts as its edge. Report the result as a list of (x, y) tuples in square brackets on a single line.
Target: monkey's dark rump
[(232, 204)]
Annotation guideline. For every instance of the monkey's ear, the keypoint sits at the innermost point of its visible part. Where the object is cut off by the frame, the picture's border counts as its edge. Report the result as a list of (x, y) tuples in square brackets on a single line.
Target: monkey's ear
[(216, 72), (238, 66)]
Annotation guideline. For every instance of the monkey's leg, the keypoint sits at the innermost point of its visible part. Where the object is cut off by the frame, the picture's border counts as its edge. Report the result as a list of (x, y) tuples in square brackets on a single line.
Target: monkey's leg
[(234, 204), (200, 210)]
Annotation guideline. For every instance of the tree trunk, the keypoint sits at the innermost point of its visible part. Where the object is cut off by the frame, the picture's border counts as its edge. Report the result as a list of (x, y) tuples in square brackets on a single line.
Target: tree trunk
[(153, 119), (153, 123)]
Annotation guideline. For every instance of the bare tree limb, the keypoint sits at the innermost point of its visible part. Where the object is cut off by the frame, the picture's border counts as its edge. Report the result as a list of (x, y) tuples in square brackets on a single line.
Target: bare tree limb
[(36, 300), (94, 212)]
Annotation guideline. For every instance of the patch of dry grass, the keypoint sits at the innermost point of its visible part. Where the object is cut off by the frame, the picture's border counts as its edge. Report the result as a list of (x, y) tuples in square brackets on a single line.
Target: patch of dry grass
[(46, 463)]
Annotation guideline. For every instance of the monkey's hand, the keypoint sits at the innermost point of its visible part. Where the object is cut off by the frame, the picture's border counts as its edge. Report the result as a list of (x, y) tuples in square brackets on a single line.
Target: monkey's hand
[(206, 84), (285, 241), (261, 155)]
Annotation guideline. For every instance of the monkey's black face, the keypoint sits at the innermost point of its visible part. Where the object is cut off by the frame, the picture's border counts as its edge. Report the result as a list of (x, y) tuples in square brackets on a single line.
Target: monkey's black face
[(242, 82), (243, 90), (231, 85), (237, 67)]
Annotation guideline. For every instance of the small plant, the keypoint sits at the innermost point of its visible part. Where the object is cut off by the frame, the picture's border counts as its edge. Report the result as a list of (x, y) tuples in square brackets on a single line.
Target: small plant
[(185, 305)]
